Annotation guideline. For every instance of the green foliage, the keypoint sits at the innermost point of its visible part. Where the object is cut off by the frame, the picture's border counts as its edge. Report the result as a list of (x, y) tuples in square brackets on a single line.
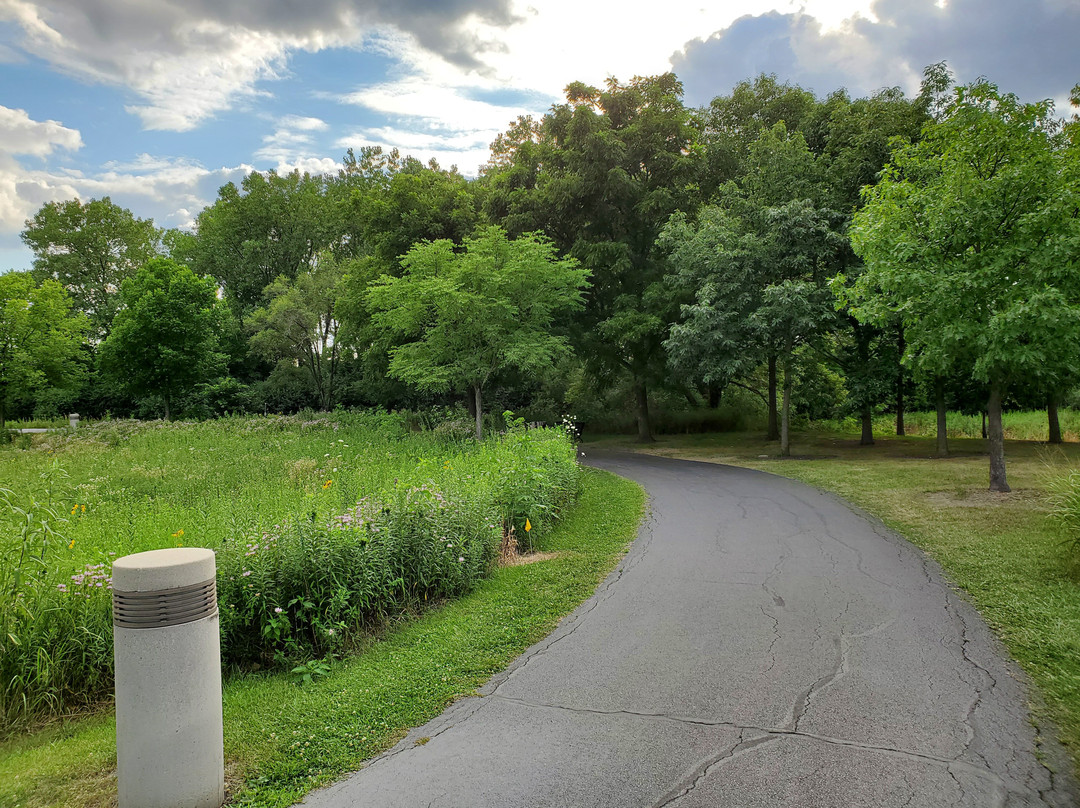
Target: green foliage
[(464, 317), (90, 250), (166, 339), (40, 341), (298, 323), (338, 522), (271, 226), (600, 174), (282, 740), (401, 201), (55, 634), (1063, 496), (970, 240)]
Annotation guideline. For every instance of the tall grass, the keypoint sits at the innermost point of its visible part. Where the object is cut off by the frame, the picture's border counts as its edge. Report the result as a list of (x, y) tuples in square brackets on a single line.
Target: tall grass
[(322, 526)]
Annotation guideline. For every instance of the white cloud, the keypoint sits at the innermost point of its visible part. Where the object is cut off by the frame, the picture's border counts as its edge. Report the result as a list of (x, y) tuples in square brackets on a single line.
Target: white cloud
[(21, 135), (23, 190), (166, 190), (292, 142), (189, 59)]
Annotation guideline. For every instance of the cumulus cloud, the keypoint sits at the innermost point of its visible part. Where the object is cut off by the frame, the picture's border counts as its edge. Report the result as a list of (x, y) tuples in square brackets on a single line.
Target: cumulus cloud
[(23, 190), (292, 140), (188, 59), (166, 190), (1028, 48)]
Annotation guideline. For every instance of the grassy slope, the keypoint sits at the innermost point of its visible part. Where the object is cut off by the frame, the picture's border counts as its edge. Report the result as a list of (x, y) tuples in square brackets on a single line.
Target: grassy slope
[(281, 740), (1002, 549)]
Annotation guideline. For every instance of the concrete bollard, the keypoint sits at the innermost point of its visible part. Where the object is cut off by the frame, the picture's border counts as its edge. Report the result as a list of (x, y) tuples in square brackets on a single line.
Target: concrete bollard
[(73, 420), (167, 649)]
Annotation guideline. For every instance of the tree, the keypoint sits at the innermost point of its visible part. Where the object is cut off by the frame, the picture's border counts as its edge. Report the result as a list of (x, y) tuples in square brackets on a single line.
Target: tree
[(412, 202), (600, 175), (40, 338), (970, 238), (166, 339), (299, 323), (272, 226), (469, 316), (90, 249)]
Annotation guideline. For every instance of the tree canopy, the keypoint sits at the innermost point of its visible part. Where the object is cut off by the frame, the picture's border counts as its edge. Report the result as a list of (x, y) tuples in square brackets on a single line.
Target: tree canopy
[(167, 337), (90, 249), (970, 237), (41, 338), (464, 317)]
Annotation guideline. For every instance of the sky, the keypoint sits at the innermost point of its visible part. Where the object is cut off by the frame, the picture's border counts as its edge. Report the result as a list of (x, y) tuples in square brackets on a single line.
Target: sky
[(158, 103)]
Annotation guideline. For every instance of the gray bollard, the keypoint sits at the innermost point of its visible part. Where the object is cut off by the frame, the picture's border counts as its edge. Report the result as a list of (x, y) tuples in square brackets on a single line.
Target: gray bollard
[(73, 420), (166, 645)]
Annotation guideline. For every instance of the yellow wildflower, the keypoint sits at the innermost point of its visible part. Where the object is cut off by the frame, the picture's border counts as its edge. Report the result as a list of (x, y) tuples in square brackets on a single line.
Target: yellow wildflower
[(178, 533), (74, 508), (71, 544), (327, 484)]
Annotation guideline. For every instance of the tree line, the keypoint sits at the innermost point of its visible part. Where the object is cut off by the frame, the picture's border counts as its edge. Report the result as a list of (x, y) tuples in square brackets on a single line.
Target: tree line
[(825, 255)]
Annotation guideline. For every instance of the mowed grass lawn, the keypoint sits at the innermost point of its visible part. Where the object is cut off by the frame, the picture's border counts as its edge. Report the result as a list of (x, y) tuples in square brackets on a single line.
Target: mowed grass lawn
[(1004, 550), (282, 739)]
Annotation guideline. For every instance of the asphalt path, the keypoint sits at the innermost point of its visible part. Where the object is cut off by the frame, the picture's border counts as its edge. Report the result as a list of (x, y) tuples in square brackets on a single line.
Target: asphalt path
[(762, 644)]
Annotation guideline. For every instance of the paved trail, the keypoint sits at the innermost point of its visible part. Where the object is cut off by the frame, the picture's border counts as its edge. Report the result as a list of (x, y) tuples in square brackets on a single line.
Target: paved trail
[(761, 645)]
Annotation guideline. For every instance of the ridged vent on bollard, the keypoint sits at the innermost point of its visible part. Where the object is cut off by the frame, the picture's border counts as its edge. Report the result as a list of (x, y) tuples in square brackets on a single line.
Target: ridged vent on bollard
[(166, 640)]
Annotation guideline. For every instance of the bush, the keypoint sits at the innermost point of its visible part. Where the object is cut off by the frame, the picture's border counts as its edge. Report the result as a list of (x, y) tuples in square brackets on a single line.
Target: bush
[(413, 519)]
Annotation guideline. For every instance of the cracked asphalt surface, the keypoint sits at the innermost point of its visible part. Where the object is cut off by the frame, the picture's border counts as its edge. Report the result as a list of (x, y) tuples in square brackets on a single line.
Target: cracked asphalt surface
[(762, 644)]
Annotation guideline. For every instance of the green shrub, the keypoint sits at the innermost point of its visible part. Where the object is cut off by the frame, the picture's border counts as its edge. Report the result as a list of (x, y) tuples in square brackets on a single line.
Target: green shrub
[(323, 525)]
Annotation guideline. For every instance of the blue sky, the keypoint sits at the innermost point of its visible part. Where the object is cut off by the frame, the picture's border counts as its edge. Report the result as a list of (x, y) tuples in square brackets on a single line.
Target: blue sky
[(158, 103)]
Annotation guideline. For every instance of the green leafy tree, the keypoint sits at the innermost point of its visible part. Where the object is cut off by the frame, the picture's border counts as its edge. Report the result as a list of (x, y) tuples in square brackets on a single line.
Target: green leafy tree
[(464, 317), (299, 323), (410, 202), (600, 175), (41, 339), (970, 238), (271, 226), (167, 338), (90, 249)]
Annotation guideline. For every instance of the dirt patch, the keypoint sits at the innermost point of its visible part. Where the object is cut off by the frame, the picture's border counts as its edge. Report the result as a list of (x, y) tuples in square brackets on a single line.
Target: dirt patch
[(518, 560), (510, 557), (981, 497)]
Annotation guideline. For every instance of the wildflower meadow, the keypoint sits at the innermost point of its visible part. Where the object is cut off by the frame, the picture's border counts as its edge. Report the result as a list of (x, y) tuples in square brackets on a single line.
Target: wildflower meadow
[(324, 526)]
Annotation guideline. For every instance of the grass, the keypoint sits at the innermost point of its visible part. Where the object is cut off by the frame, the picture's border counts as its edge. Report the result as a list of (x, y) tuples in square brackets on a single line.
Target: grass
[(323, 525), (281, 739), (1004, 550)]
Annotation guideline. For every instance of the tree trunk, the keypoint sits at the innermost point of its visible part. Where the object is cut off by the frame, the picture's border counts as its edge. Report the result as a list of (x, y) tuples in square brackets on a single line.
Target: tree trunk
[(942, 433), (997, 439), (470, 403), (168, 416), (785, 420), (715, 392), (984, 434), (641, 395), (1052, 415), (479, 403), (774, 431), (867, 418), (900, 346)]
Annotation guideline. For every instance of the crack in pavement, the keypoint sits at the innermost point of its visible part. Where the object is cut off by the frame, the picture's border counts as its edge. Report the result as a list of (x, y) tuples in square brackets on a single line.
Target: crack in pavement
[(775, 734)]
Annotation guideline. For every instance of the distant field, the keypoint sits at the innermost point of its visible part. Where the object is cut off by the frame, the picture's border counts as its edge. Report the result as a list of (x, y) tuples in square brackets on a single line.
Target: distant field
[(1028, 425)]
